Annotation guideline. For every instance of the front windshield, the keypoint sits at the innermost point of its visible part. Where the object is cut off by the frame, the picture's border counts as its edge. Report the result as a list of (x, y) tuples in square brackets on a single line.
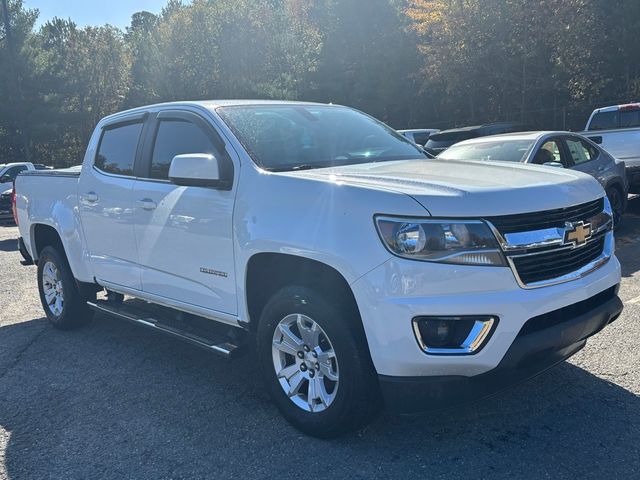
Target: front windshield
[(297, 137), (503, 150)]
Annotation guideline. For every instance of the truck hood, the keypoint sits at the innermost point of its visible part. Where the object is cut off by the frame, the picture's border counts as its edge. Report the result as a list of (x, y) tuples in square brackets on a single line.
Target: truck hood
[(468, 188)]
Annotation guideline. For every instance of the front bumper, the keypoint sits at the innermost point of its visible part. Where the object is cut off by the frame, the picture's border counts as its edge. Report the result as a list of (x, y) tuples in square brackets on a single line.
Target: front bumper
[(397, 291), (542, 342)]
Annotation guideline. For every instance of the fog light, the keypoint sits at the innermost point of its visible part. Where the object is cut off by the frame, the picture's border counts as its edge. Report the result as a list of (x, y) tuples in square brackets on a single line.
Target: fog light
[(463, 335), (438, 332)]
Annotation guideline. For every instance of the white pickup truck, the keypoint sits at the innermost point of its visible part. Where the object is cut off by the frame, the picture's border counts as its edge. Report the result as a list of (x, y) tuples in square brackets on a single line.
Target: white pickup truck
[(362, 272), (617, 130)]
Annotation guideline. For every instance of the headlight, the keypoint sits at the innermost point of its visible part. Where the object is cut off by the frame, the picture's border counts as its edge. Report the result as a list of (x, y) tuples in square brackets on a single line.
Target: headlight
[(465, 242)]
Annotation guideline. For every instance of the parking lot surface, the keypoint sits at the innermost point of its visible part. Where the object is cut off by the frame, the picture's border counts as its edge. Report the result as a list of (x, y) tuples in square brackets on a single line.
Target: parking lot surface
[(113, 400)]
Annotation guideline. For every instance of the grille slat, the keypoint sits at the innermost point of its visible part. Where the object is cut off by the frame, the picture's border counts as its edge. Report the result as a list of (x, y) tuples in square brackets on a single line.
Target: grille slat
[(563, 262), (554, 262), (527, 222)]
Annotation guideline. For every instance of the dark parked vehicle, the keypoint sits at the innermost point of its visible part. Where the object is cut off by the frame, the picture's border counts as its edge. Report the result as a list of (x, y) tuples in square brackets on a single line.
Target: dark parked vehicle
[(5, 205), (440, 141)]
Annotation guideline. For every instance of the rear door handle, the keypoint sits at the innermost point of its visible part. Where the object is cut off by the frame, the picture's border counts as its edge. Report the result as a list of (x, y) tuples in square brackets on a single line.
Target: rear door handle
[(89, 197), (147, 204)]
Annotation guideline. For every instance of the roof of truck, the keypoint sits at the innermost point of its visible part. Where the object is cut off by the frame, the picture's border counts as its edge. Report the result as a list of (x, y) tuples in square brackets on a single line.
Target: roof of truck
[(213, 104)]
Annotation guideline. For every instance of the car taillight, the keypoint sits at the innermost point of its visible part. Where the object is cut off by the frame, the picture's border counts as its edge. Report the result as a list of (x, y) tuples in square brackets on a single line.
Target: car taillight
[(13, 204)]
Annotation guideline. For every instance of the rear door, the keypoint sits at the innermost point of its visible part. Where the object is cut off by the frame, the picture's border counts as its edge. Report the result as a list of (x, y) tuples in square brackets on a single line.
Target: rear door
[(183, 233), (106, 204), (587, 158)]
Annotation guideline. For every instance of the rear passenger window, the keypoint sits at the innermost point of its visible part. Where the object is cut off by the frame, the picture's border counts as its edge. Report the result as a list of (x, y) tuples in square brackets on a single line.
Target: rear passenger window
[(604, 121), (630, 118), (177, 137), (581, 151), (117, 149)]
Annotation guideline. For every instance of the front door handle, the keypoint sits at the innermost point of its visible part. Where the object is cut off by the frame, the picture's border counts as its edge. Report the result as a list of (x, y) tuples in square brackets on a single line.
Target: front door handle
[(147, 204), (89, 197)]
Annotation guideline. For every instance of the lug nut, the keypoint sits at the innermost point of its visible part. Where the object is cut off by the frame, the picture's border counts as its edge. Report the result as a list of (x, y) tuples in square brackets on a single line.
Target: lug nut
[(314, 354), (305, 348), (303, 367), (317, 366), (312, 373), (300, 354)]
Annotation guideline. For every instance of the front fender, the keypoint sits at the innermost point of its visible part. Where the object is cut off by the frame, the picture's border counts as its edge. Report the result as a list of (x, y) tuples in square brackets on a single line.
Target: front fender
[(319, 220)]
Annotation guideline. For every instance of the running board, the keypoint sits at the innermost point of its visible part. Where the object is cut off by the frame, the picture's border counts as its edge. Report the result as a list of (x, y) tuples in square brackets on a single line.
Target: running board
[(178, 326)]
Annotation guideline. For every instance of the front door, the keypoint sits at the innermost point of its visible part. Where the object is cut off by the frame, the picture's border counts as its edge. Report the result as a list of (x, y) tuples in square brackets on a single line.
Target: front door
[(184, 234), (106, 205)]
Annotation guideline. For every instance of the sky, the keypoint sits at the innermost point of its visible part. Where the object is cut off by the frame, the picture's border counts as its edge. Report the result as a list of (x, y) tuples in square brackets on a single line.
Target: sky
[(93, 12)]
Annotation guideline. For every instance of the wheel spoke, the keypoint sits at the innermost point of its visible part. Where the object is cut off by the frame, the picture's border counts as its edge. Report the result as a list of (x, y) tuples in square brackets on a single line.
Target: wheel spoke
[(295, 382), (310, 333), (49, 296), (289, 342), (312, 394), (326, 365), (323, 395), (288, 372)]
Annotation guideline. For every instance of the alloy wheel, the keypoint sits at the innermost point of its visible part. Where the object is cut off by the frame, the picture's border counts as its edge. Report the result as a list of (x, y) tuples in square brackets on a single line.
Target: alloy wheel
[(305, 362)]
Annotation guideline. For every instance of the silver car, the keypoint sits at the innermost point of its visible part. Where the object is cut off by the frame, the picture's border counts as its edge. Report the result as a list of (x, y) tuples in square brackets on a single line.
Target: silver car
[(555, 149)]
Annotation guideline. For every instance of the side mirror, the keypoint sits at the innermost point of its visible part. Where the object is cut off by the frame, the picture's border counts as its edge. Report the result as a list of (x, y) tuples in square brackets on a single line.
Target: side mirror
[(553, 164), (197, 170), (6, 178)]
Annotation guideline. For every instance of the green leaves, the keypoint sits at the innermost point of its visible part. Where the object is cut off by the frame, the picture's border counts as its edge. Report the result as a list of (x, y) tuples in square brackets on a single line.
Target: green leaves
[(429, 63)]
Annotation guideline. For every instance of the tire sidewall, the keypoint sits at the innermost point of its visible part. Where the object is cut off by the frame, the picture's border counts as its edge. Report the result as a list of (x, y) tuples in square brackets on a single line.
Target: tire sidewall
[(73, 312), (352, 371)]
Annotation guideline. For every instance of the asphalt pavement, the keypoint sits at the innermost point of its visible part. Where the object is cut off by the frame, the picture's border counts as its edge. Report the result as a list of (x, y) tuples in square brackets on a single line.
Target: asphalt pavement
[(113, 400)]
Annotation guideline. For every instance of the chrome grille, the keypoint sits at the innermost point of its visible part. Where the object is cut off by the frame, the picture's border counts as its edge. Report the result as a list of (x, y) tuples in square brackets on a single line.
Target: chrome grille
[(540, 249), (533, 268)]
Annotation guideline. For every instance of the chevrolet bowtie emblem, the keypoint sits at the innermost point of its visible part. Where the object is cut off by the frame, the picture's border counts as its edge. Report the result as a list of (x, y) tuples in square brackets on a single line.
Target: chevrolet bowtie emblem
[(577, 233)]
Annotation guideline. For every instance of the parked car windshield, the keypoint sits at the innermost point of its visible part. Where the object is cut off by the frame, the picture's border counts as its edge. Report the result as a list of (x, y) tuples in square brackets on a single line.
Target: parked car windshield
[(298, 137), (503, 150)]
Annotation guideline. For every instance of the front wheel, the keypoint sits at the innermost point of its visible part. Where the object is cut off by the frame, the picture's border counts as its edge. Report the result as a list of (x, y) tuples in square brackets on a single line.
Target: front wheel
[(61, 299), (315, 363)]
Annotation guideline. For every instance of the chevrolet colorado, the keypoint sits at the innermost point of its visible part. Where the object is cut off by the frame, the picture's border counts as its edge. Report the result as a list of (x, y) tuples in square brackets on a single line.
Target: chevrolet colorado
[(363, 273)]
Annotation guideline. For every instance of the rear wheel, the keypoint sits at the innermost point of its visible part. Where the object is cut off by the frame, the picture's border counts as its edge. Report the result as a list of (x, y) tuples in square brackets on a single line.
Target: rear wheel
[(62, 301), (315, 364), (617, 201)]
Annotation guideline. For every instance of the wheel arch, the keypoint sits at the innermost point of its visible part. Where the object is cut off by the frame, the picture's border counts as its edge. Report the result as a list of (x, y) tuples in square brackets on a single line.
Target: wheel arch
[(267, 272), (43, 235)]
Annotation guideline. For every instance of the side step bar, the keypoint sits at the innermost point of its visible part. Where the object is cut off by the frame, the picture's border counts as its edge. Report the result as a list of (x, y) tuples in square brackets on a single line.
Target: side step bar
[(212, 342)]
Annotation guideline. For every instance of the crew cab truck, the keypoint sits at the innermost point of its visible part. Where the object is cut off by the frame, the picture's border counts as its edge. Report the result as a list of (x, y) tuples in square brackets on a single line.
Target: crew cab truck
[(617, 130), (364, 273)]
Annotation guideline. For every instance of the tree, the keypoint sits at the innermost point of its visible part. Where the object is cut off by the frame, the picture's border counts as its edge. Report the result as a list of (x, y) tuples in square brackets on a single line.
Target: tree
[(16, 24)]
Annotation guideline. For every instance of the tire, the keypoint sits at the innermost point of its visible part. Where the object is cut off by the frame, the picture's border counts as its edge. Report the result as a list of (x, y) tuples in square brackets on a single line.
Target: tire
[(354, 399), (61, 299), (617, 200)]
